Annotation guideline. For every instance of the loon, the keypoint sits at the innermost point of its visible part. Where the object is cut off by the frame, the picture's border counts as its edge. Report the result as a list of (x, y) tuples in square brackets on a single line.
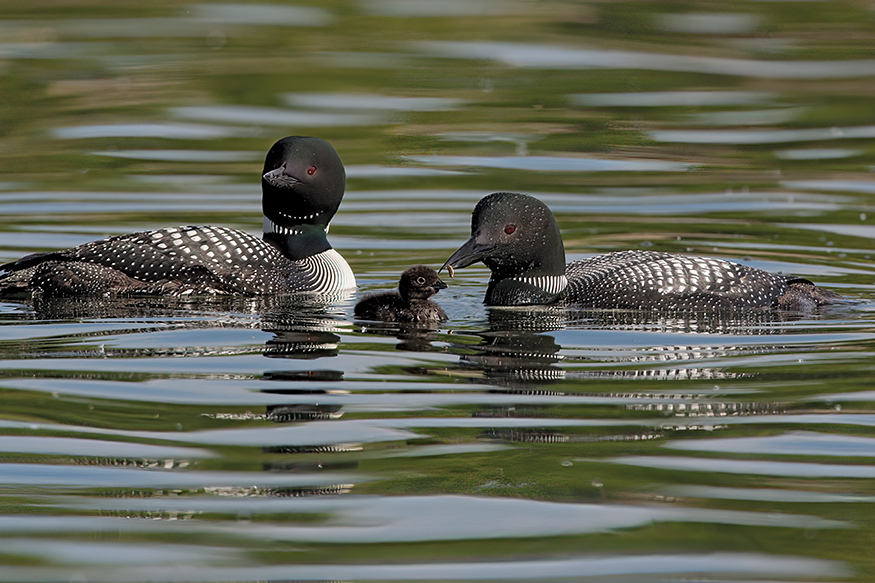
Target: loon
[(410, 303), (518, 239), (302, 184)]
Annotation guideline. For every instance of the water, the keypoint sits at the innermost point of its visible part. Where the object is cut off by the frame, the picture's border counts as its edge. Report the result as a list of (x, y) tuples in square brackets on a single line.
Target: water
[(227, 439)]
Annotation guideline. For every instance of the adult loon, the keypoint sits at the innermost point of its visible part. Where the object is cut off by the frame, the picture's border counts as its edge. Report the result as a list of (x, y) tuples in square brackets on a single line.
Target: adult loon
[(410, 303), (518, 239), (302, 184)]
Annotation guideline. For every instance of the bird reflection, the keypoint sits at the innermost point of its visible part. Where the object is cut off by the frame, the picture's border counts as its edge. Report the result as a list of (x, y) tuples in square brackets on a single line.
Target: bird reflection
[(123, 307), (516, 359), (302, 336), (412, 337), (519, 353), (741, 322), (302, 327), (301, 344)]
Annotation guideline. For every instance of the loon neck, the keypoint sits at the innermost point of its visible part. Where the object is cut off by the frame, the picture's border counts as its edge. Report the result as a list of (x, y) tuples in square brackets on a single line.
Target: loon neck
[(525, 290), (298, 241)]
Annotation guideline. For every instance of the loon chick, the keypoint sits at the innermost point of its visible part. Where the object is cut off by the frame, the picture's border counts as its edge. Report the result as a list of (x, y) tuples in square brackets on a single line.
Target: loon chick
[(302, 184), (410, 303), (518, 239)]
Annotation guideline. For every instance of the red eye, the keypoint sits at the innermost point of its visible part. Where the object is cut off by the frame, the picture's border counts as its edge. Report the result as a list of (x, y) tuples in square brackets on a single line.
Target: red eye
[(311, 170), (509, 229)]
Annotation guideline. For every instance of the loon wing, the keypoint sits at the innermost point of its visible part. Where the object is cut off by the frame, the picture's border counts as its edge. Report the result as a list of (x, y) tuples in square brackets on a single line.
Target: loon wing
[(175, 260), (651, 279)]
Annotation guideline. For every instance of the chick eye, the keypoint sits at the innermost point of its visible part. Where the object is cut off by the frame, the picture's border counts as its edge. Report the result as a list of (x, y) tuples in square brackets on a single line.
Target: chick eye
[(311, 170), (420, 280), (509, 229)]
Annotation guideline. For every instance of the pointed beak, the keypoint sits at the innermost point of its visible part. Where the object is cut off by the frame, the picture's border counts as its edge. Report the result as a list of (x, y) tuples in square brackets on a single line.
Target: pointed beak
[(278, 177), (469, 253), (441, 284)]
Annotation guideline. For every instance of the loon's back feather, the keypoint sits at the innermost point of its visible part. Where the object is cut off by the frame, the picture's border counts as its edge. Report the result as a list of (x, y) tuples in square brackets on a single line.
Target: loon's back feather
[(174, 260), (652, 279)]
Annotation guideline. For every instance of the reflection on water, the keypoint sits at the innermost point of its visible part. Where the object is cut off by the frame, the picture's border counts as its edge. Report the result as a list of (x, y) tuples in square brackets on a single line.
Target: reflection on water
[(279, 439), (817, 153), (182, 155), (712, 136), (178, 131), (563, 58), (554, 164), (272, 116), (674, 99), (361, 101)]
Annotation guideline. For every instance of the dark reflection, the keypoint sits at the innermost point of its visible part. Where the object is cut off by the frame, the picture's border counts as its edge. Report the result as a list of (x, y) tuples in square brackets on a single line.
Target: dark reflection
[(302, 344), (517, 359), (302, 412), (301, 336), (742, 322), (37, 308), (518, 352), (301, 375), (271, 307), (412, 337), (333, 490), (529, 318), (303, 328)]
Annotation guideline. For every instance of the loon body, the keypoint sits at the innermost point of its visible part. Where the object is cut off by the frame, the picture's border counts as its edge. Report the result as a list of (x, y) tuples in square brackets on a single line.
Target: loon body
[(410, 303), (303, 182), (518, 239)]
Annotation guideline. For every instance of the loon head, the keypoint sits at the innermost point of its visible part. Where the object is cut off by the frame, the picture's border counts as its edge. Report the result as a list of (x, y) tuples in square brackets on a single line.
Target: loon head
[(302, 183), (420, 282), (514, 235)]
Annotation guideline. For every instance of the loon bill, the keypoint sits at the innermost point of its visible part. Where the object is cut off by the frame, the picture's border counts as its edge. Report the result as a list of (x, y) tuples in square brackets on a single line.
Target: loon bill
[(303, 182), (517, 237)]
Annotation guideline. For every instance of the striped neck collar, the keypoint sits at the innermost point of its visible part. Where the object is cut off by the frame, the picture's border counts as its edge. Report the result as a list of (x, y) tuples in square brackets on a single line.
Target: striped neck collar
[(272, 228)]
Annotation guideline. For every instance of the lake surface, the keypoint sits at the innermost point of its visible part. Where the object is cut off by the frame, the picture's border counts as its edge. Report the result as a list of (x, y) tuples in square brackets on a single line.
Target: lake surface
[(228, 439)]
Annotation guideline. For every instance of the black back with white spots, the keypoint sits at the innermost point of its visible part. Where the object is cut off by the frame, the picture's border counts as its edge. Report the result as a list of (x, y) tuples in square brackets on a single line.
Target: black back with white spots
[(649, 279), (173, 261)]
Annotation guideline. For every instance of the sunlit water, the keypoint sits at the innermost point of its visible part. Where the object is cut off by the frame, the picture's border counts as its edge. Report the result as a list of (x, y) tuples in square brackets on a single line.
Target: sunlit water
[(228, 439)]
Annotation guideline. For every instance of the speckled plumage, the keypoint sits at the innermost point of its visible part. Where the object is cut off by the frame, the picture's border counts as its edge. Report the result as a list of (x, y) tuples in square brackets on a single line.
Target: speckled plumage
[(518, 238), (410, 303), (303, 184), (650, 279)]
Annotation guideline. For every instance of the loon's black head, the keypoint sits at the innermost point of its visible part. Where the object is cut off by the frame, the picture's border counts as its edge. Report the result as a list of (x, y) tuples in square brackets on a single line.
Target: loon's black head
[(515, 235), (302, 183), (420, 282)]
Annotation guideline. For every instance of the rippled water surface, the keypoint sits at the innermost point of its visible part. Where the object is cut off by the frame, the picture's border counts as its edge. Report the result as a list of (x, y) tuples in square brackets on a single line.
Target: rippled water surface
[(227, 439)]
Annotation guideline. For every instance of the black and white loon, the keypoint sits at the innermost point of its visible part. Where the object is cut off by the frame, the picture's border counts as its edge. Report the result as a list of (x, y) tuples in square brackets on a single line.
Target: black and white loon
[(302, 184), (518, 239)]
